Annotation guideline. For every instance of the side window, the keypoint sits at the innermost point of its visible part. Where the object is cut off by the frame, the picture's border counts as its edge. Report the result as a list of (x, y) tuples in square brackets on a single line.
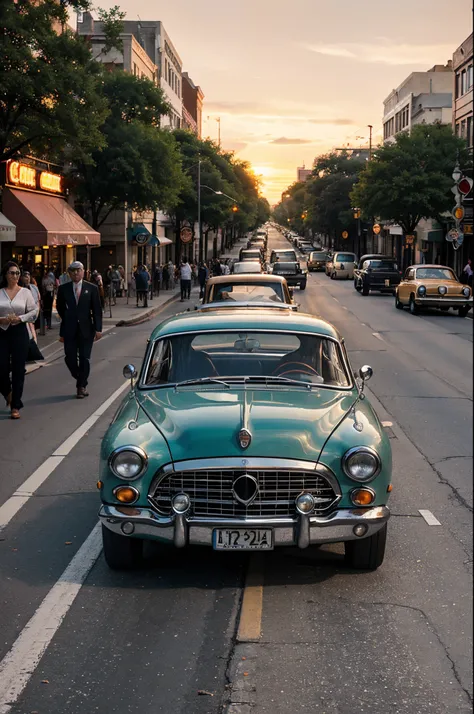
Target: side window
[(410, 275)]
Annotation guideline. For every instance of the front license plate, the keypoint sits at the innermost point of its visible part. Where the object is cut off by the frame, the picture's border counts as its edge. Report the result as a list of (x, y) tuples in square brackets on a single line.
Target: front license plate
[(387, 283), (242, 539)]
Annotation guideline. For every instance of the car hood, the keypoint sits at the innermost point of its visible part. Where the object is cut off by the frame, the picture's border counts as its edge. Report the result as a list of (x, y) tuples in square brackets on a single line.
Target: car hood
[(205, 423)]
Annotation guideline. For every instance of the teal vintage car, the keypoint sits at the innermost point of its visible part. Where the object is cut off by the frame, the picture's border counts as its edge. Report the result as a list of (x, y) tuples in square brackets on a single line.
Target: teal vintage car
[(245, 430)]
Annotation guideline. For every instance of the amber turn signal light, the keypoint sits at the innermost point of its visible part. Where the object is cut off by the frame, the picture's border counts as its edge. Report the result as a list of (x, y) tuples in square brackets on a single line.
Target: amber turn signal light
[(362, 496), (126, 494), (389, 488), (99, 484)]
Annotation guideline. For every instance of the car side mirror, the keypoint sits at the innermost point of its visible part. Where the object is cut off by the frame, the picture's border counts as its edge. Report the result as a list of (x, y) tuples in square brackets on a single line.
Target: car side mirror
[(365, 373), (130, 372)]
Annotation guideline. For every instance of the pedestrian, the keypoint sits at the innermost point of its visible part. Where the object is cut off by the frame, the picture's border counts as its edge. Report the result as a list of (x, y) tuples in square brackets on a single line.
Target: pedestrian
[(48, 284), (116, 279), (225, 270), (185, 275), (203, 274), (17, 308), (165, 273), (157, 279), (171, 271), (64, 277), (97, 280), (142, 283), (468, 272), (122, 287), (80, 311)]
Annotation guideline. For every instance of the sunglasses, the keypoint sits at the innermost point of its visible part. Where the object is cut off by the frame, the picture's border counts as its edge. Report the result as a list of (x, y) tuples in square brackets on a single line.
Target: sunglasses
[(13, 272)]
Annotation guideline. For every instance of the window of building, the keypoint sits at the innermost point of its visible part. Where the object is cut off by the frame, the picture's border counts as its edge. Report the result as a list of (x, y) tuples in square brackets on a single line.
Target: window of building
[(463, 82), (458, 86), (469, 131), (469, 79), (463, 129), (135, 68), (456, 129)]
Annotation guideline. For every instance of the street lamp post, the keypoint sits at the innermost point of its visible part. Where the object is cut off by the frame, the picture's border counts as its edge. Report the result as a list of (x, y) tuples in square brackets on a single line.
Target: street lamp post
[(218, 193), (370, 141)]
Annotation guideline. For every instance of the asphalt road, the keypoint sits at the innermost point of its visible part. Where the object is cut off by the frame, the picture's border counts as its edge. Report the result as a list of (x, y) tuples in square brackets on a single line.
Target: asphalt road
[(76, 637)]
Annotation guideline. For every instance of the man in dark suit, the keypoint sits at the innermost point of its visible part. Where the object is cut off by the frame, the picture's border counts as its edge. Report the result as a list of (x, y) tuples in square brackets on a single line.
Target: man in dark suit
[(78, 306)]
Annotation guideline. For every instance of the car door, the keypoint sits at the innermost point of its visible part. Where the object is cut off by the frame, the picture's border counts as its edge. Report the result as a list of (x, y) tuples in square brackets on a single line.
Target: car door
[(406, 286)]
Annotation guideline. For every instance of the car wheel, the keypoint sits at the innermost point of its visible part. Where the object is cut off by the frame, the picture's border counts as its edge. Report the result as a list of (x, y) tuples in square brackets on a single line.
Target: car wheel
[(368, 553), (398, 304), (333, 276), (121, 552), (365, 290), (357, 286), (463, 311), (413, 306), (303, 286)]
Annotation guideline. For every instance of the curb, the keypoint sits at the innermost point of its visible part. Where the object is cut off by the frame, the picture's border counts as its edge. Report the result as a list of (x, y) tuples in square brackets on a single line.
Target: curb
[(144, 316)]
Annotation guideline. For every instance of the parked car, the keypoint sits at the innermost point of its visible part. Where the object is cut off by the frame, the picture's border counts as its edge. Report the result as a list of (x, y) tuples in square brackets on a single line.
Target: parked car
[(247, 266), (251, 289), (292, 271), (342, 265), (305, 247), (317, 260), (379, 272), (329, 262), (283, 254), (432, 286), (245, 431)]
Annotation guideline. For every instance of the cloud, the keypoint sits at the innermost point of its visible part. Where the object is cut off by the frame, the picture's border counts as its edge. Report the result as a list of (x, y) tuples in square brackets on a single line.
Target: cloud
[(389, 53), (337, 122), (282, 140)]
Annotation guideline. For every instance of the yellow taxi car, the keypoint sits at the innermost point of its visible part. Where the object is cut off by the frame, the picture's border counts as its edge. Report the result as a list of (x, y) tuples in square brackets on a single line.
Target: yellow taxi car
[(432, 286)]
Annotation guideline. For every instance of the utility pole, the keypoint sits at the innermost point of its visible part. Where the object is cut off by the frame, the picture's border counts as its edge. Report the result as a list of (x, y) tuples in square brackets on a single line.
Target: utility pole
[(219, 132), (370, 141), (199, 211)]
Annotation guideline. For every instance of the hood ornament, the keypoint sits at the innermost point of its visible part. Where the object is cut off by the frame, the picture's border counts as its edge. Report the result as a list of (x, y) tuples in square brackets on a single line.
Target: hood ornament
[(245, 437)]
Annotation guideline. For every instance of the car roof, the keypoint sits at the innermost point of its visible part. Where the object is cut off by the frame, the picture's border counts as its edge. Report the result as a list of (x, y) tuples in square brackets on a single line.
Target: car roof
[(266, 318), (430, 265), (245, 278)]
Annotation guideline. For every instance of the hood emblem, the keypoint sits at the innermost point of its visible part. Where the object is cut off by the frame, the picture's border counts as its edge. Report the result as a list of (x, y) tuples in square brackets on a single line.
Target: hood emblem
[(245, 437), (245, 489)]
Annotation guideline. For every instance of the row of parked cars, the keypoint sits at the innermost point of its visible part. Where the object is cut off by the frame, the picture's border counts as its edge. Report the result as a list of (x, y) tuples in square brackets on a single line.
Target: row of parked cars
[(245, 428), (420, 286)]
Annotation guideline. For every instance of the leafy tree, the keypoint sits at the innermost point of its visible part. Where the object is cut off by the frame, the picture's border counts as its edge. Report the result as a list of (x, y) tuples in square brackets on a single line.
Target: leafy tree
[(411, 178), (50, 92), (140, 166)]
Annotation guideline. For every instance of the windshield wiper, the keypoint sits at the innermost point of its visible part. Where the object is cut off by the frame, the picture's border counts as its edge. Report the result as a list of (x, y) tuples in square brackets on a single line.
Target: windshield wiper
[(201, 380), (284, 380)]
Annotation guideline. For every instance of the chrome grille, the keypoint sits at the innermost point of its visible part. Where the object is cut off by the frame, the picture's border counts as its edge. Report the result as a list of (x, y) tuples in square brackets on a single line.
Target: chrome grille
[(211, 493)]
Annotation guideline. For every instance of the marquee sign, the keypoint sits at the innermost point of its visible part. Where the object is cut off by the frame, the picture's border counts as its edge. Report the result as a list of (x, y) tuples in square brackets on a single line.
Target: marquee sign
[(26, 176)]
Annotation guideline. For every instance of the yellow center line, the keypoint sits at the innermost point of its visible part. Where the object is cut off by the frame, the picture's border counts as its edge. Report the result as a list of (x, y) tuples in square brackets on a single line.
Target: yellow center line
[(250, 623)]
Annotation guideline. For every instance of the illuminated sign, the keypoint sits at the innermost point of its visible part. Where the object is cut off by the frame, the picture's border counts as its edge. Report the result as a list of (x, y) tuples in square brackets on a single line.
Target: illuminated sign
[(50, 182), (21, 174), (26, 176)]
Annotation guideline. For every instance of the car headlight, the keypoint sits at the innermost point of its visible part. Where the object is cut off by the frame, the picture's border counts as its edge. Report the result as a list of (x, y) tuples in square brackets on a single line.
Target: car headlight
[(442, 289), (361, 463), (421, 290), (466, 292), (128, 462)]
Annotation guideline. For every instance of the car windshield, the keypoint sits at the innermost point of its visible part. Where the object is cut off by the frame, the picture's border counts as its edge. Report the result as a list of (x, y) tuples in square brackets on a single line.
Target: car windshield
[(382, 265), (344, 257), (434, 274), (260, 356), (247, 267), (284, 255), (284, 267), (318, 256), (239, 292)]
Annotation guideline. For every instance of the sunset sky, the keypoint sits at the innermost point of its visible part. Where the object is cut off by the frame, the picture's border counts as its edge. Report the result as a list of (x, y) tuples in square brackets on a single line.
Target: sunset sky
[(291, 80)]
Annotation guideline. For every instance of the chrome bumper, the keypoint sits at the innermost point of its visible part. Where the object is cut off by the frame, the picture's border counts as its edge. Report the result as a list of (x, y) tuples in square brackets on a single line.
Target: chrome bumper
[(444, 301), (302, 531)]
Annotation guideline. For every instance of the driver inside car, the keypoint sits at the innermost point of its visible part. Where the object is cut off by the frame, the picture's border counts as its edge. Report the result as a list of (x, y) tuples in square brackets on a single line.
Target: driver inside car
[(304, 358)]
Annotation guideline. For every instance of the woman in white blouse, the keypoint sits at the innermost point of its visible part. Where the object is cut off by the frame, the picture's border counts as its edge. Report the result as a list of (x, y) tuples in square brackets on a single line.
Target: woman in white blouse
[(17, 307)]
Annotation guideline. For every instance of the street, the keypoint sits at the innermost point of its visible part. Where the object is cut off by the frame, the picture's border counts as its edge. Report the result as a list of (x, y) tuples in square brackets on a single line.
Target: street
[(314, 636)]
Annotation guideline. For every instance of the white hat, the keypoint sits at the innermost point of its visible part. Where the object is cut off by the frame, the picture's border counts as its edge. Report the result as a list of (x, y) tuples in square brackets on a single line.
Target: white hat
[(76, 265)]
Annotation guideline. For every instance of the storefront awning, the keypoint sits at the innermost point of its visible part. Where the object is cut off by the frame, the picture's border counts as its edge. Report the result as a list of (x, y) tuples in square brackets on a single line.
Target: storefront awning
[(140, 235), (46, 220), (7, 229)]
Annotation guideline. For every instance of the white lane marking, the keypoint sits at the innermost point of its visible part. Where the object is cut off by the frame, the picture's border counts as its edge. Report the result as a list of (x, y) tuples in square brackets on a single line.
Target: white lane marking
[(387, 423), (344, 308), (363, 324), (378, 336), (429, 518), (335, 299), (20, 662), (11, 507)]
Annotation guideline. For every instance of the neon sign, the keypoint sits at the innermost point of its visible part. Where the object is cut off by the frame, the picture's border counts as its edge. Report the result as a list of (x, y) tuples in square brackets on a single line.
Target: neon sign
[(26, 176), (50, 182)]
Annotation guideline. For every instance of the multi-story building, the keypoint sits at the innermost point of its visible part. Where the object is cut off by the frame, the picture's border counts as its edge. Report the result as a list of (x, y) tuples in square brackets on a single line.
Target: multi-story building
[(193, 98), (423, 97), (463, 91), (302, 173)]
